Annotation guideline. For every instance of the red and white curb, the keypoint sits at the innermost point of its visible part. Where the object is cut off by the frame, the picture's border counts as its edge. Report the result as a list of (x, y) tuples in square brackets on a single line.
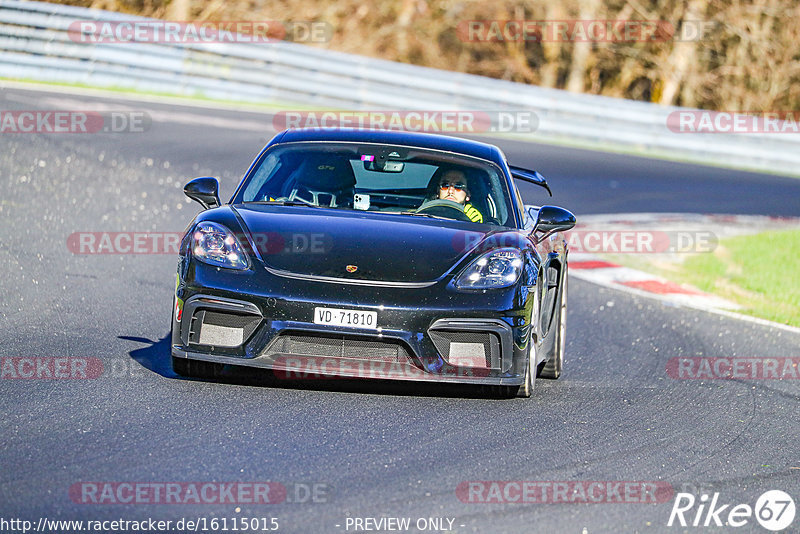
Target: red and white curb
[(592, 269), (597, 268)]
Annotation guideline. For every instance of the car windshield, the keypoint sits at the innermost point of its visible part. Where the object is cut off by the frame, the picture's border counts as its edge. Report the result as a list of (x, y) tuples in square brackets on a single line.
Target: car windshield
[(380, 178)]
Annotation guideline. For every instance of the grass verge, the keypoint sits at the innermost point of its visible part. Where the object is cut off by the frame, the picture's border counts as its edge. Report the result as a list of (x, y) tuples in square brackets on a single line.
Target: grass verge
[(189, 99), (760, 272)]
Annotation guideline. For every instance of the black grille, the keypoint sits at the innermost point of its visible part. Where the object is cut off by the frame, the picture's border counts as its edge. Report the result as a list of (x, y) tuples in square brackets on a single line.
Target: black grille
[(442, 340), (297, 344)]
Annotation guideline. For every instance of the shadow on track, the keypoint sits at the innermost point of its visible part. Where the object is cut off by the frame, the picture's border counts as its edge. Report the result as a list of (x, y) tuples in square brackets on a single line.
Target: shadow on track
[(156, 357)]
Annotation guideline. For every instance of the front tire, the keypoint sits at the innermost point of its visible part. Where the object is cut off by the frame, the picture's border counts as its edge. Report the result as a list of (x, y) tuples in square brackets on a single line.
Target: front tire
[(526, 389), (552, 369)]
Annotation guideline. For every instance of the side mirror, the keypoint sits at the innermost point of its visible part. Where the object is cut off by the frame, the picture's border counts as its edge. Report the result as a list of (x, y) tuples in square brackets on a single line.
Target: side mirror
[(205, 191), (552, 219)]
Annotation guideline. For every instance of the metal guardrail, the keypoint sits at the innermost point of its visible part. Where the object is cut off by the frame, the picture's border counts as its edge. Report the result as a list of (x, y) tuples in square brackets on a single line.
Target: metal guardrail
[(35, 45)]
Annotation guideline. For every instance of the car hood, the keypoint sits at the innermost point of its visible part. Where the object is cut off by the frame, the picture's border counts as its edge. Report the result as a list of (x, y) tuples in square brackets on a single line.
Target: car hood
[(319, 242)]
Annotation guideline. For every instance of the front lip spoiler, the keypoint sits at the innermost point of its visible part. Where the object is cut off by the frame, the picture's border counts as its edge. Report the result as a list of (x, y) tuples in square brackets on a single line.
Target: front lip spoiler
[(402, 372)]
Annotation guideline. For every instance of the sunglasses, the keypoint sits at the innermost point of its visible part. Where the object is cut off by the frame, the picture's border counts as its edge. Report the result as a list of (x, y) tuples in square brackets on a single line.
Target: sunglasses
[(458, 186)]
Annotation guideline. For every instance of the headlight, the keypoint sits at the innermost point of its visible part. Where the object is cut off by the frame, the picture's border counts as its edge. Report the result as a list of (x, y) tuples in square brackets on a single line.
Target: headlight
[(498, 268), (214, 244)]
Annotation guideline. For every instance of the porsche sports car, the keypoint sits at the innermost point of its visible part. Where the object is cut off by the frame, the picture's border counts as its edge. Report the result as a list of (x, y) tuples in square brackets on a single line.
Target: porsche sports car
[(378, 255)]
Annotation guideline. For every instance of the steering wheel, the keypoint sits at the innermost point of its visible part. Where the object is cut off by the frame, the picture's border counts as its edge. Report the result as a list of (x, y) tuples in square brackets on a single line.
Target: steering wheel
[(444, 208)]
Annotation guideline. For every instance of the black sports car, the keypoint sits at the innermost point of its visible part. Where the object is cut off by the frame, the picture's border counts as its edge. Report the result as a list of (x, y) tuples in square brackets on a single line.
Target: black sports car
[(374, 254)]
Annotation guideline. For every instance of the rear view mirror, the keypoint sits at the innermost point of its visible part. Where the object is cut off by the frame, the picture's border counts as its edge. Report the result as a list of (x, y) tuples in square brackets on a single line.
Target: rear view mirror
[(371, 163)]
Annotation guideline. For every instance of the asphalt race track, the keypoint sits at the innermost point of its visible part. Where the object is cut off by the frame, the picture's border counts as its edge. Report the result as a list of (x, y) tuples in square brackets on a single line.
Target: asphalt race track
[(365, 450)]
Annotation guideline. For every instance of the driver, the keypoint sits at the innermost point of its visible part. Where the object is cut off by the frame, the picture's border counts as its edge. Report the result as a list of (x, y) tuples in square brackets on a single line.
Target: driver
[(453, 186)]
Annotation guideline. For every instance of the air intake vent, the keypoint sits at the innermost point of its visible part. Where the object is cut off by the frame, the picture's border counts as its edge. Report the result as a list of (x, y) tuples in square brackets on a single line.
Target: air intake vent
[(298, 344), (468, 348), (221, 329)]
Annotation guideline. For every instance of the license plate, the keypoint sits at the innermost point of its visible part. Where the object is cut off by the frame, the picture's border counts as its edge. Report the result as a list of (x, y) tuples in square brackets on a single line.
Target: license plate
[(338, 317)]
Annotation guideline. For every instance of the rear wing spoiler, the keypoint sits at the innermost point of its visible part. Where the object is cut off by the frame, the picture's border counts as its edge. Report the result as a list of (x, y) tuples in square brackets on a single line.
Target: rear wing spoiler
[(533, 177)]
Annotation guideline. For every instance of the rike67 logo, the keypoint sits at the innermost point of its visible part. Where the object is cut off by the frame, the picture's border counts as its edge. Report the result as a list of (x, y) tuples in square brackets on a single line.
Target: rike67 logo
[(774, 510)]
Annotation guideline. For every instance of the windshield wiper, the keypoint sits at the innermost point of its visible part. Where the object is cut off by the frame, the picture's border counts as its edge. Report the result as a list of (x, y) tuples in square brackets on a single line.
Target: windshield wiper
[(283, 203), (415, 214)]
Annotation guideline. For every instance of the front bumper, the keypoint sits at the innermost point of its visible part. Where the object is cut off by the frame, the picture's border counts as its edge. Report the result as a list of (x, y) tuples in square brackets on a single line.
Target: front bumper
[(426, 334)]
